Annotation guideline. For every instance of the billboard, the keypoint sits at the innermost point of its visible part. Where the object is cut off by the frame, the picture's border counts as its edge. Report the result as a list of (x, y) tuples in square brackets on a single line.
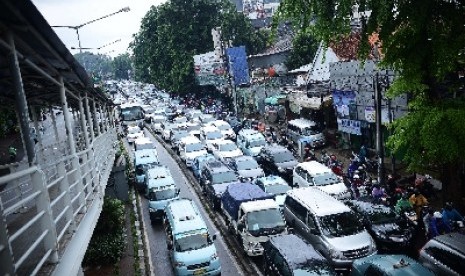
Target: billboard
[(238, 66), (209, 70)]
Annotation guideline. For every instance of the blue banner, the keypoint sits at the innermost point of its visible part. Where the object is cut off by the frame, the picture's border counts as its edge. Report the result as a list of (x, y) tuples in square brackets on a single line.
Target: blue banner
[(238, 66)]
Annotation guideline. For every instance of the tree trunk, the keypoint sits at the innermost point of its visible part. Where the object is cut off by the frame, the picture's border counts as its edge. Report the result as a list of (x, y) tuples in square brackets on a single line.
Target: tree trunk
[(452, 185)]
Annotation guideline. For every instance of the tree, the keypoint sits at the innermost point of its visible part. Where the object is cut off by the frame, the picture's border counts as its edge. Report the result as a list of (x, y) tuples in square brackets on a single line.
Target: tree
[(424, 41), (304, 47), (95, 64), (172, 33), (122, 66)]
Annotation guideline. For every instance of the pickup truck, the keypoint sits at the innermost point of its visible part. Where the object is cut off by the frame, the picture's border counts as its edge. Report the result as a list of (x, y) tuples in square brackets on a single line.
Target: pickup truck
[(252, 215)]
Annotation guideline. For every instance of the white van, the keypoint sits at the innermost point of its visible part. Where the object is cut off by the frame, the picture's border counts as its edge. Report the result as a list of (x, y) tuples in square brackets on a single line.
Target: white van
[(330, 226), (190, 245), (143, 143), (303, 128), (315, 174), (161, 189)]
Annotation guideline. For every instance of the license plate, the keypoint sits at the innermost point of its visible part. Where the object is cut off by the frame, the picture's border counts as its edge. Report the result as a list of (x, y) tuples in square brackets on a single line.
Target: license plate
[(200, 271)]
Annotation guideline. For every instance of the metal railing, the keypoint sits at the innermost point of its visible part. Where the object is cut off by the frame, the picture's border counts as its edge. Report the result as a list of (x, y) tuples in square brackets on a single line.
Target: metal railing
[(42, 207)]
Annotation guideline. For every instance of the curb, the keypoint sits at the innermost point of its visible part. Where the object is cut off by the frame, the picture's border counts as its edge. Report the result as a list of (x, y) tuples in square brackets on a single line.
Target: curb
[(145, 265)]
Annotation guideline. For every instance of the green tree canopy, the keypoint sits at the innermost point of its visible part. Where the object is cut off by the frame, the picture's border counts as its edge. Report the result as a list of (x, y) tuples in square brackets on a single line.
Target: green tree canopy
[(122, 66), (304, 47), (95, 64), (172, 33), (424, 40)]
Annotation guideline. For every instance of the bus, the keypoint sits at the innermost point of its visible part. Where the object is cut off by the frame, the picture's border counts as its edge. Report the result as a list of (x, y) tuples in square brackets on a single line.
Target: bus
[(131, 114)]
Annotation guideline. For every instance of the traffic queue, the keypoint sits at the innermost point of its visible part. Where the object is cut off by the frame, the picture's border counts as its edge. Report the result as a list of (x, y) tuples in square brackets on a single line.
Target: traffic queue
[(275, 196)]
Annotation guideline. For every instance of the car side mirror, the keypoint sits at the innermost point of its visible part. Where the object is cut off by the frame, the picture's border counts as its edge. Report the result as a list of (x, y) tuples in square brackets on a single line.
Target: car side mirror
[(178, 191), (169, 245), (240, 226)]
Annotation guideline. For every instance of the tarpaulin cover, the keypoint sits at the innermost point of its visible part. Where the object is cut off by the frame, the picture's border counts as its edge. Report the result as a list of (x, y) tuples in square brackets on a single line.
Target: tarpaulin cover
[(238, 193)]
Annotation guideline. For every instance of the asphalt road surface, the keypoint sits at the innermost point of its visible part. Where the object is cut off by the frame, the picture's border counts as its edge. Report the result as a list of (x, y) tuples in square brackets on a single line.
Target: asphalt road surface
[(156, 235)]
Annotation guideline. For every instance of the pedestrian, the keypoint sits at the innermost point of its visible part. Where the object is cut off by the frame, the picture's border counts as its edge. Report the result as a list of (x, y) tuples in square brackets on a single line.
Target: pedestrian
[(437, 226)]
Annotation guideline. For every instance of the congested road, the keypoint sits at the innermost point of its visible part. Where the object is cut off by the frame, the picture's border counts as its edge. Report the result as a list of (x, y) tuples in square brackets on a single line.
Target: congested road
[(156, 235)]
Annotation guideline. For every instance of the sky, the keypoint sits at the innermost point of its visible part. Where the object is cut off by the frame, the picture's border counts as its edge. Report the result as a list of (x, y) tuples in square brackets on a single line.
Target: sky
[(120, 26)]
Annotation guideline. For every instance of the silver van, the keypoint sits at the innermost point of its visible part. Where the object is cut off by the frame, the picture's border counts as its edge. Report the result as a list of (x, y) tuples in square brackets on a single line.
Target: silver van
[(444, 254), (191, 247), (303, 128), (329, 225)]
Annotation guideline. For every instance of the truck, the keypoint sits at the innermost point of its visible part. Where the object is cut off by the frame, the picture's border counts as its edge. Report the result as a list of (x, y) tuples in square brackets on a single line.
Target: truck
[(252, 216)]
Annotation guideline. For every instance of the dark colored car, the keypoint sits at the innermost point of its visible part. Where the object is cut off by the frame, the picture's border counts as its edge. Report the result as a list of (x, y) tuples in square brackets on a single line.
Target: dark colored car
[(276, 159), (386, 265), (391, 232), (290, 255), (214, 179), (445, 254)]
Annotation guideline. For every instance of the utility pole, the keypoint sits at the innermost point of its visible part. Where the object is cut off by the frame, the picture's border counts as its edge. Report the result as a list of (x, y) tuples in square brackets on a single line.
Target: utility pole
[(379, 134)]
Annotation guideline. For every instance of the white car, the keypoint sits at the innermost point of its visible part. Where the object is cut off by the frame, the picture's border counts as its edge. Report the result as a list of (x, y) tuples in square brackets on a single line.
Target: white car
[(210, 135), (190, 148), (134, 132), (226, 149), (225, 128)]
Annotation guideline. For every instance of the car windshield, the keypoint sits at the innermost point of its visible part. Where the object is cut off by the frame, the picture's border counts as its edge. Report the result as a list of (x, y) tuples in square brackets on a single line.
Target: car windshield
[(256, 143), (213, 135), (250, 164), (283, 156), (132, 113), (227, 147), (192, 242), (224, 127), (144, 146), (277, 189), (224, 177), (382, 215), (180, 134), (149, 109), (310, 131), (342, 224), (325, 179), (314, 267), (194, 147), (133, 130), (264, 220), (162, 194)]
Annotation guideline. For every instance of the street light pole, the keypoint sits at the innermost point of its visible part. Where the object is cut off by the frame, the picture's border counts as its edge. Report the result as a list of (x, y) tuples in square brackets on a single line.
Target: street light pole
[(97, 48), (76, 28)]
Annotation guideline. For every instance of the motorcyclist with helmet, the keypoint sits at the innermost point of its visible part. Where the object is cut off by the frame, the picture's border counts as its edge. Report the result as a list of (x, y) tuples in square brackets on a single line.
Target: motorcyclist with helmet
[(418, 200), (309, 155), (451, 216), (437, 226), (403, 204)]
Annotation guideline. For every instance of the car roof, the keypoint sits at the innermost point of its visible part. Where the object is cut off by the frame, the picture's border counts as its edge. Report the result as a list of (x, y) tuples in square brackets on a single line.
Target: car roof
[(321, 203), (216, 166), (453, 240), (248, 131), (295, 250), (158, 172), (242, 158), (314, 167), (302, 122), (185, 215), (367, 207), (275, 148), (390, 264), (272, 179)]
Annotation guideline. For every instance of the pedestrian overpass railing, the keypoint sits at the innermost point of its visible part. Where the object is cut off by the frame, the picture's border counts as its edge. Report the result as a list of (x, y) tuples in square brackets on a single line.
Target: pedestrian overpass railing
[(48, 211)]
